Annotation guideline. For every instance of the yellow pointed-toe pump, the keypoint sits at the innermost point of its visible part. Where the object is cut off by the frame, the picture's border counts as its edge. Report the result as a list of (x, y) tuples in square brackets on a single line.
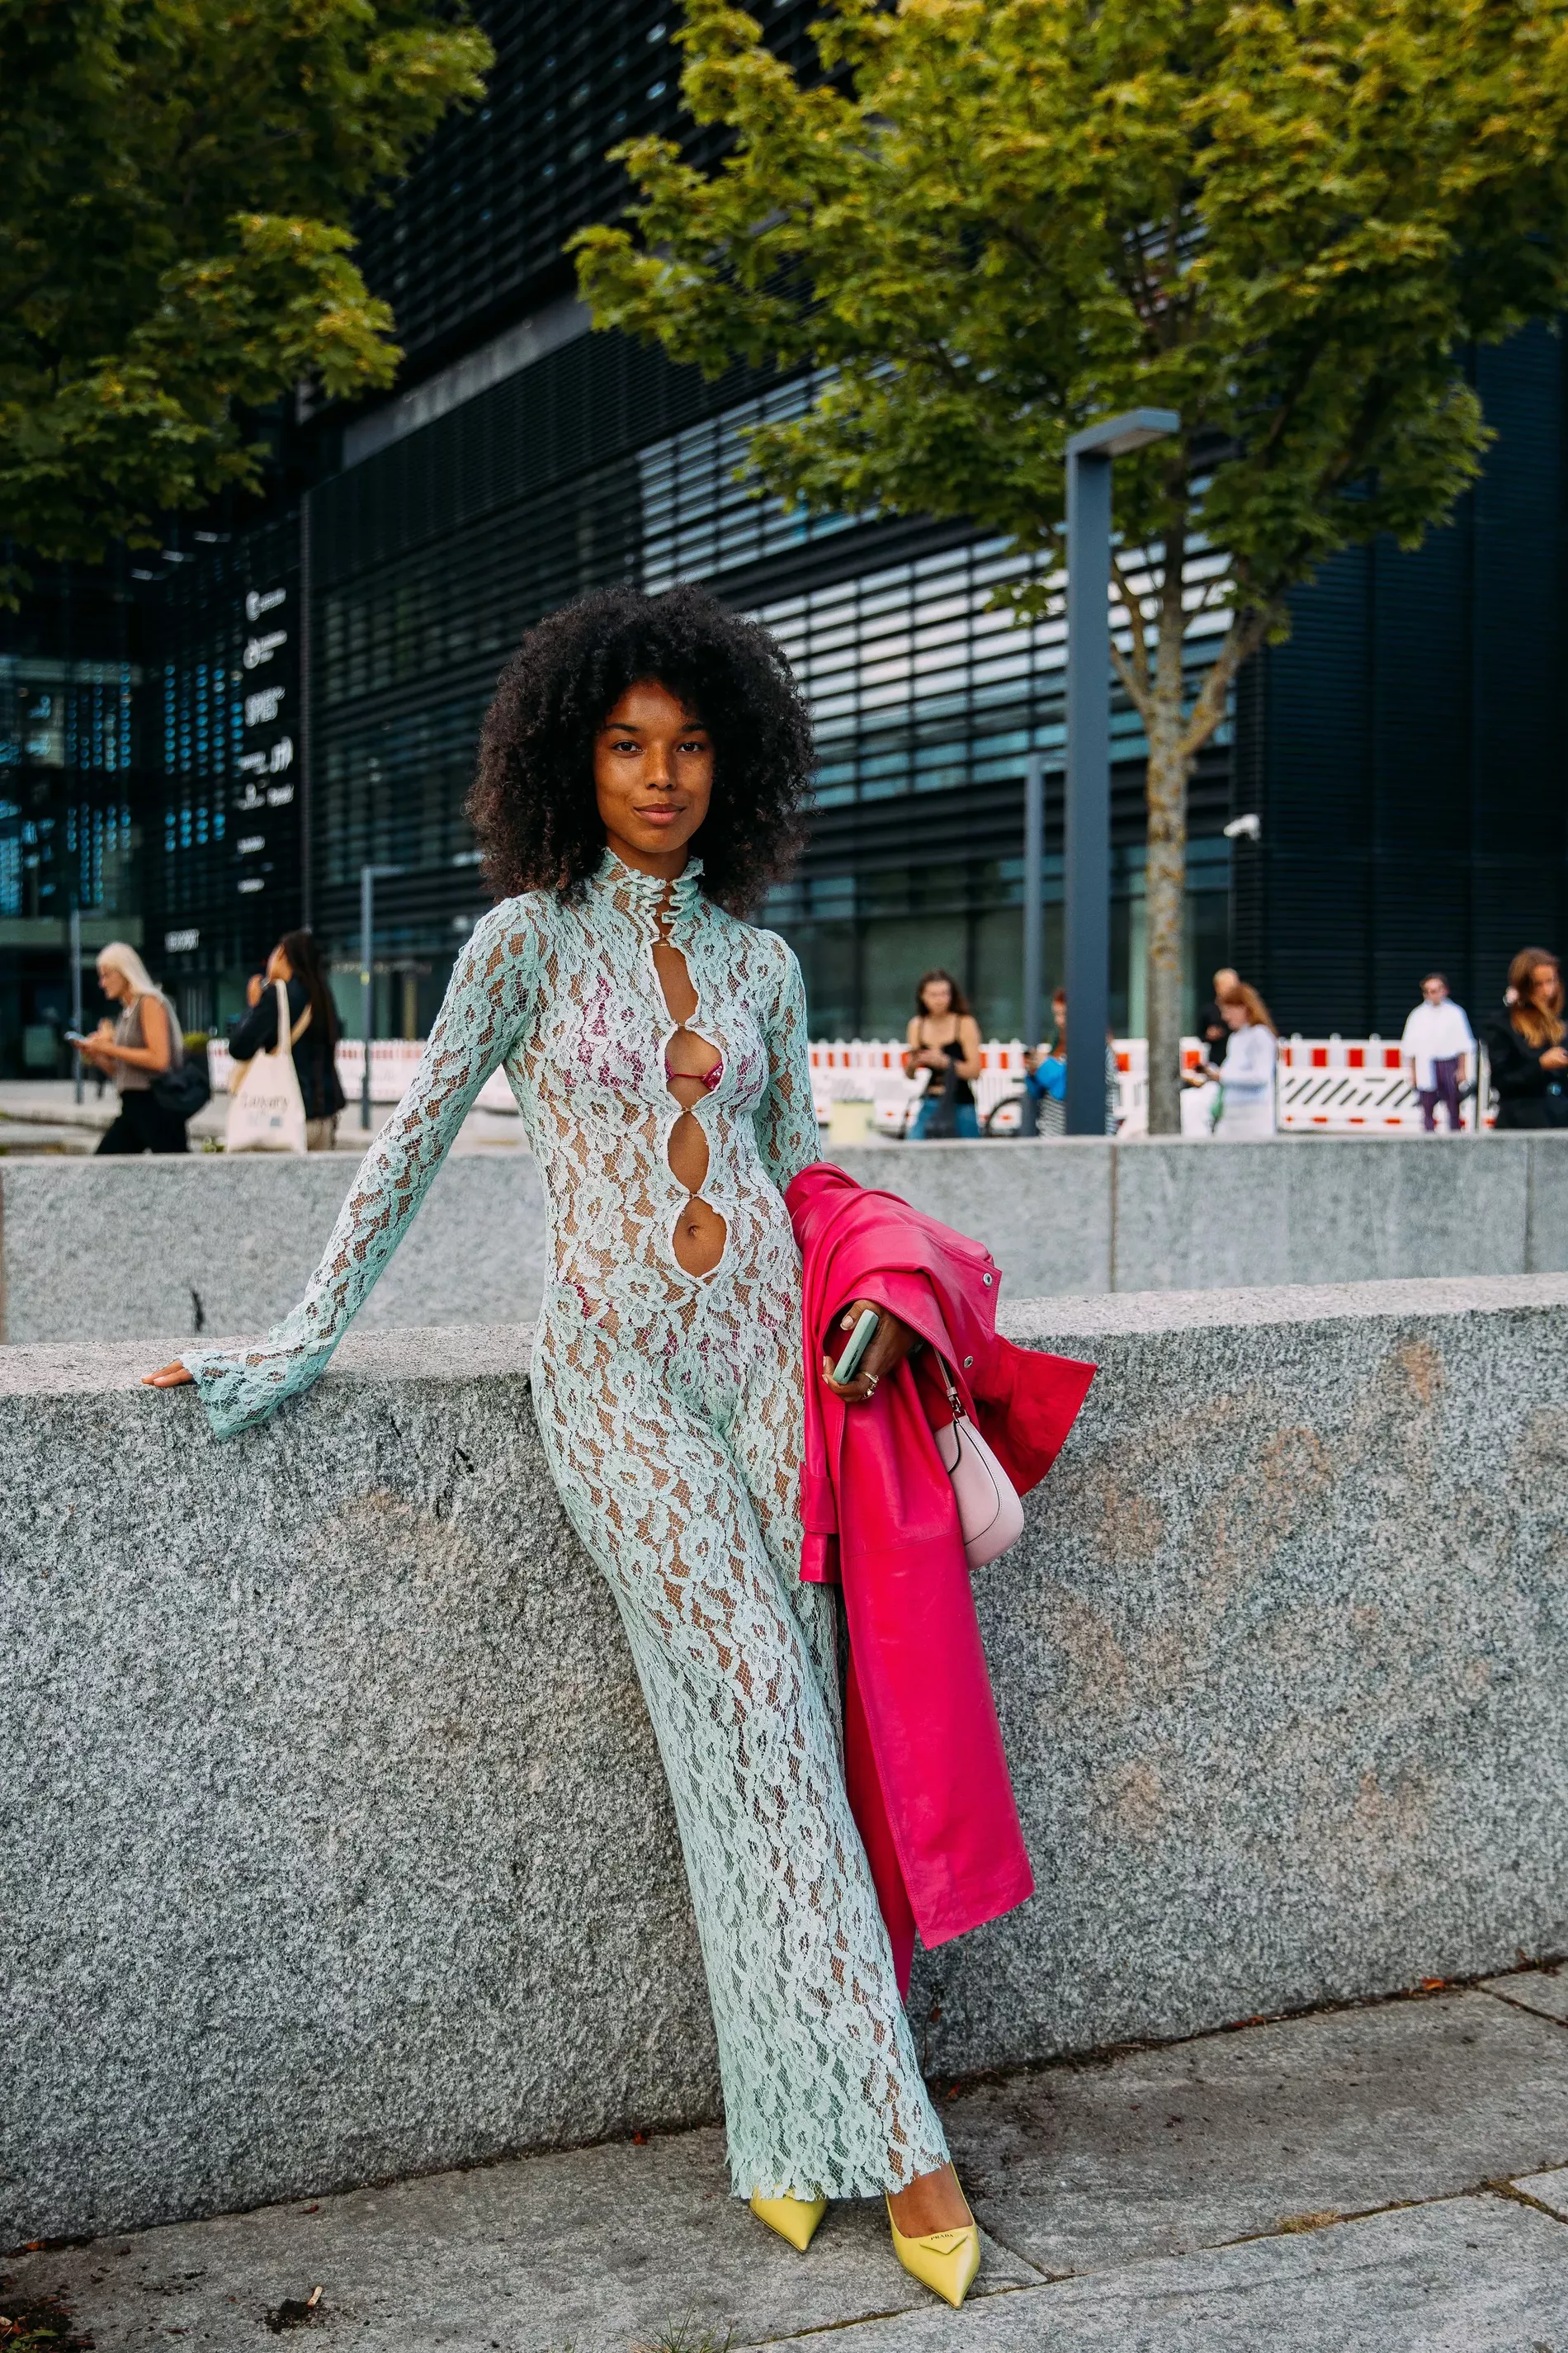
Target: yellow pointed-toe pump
[(944, 2261), (794, 2219)]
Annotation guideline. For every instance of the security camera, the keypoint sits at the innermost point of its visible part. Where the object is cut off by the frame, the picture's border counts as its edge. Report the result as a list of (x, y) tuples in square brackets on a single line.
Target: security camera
[(1245, 829)]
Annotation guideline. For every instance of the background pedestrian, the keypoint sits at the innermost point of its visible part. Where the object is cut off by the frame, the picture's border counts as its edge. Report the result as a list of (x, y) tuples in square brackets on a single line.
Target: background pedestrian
[(1201, 1100), (944, 1038), (1247, 1075), (1524, 1045), (296, 961), (1213, 1032), (1437, 1045), (140, 1046), (1046, 1076)]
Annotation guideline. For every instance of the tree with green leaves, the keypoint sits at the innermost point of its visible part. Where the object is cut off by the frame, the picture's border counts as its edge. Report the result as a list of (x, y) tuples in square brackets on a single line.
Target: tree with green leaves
[(991, 221), (176, 183)]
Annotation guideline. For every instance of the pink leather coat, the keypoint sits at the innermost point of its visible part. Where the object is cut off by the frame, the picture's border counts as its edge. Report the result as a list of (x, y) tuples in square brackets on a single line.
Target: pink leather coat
[(927, 1778)]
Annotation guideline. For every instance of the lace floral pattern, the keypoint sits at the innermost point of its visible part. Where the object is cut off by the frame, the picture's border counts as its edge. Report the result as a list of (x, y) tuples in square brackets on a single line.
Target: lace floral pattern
[(669, 1408)]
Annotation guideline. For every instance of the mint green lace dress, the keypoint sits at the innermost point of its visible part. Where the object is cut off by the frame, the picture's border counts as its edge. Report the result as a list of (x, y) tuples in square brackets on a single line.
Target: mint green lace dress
[(670, 1407)]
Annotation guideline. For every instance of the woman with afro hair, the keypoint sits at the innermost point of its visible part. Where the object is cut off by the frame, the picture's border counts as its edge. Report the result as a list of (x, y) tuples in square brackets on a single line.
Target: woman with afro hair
[(643, 769)]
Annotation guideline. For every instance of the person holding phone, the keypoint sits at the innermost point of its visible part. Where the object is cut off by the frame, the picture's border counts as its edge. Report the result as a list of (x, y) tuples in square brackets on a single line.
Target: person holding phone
[(943, 1038), (1524, 1041), (136, 1048), (642, 774), (296, 961)]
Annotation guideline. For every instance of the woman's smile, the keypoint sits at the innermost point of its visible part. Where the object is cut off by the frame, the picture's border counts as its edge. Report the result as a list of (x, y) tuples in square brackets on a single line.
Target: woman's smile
[(653, 777)]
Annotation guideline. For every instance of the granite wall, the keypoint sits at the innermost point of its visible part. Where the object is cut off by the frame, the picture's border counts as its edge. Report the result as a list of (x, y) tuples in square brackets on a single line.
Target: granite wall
[(115, 1249), (335, 1844), (111, 1250)]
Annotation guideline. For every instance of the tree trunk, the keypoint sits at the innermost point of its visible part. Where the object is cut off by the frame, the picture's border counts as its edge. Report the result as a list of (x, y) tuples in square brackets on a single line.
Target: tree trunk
[(1165, 872), (1166, 897)]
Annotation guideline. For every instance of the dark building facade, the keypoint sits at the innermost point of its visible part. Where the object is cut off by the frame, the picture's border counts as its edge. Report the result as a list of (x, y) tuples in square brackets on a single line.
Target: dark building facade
[(74, 785), (1406, 750), (300, 696)]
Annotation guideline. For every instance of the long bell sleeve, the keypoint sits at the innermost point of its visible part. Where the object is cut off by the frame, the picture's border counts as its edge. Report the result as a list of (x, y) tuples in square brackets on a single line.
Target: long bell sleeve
[(1249, 1061), (479, 1019), (786, 1119)]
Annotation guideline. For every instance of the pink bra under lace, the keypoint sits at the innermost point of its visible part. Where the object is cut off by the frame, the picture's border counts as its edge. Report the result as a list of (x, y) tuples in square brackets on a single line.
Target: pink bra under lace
[(709, 1078)]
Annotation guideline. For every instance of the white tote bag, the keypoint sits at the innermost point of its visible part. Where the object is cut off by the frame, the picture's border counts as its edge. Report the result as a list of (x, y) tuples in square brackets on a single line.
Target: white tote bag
[(267, 1110)]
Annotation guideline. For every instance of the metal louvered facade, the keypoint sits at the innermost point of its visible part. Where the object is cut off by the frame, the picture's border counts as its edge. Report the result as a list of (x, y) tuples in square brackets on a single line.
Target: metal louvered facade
[(1405, 749), (602, 464), (476, 233)]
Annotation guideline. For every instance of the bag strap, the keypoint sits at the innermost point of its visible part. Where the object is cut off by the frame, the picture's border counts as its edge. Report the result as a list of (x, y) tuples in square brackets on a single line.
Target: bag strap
[(286, 1035), (954, 1400)]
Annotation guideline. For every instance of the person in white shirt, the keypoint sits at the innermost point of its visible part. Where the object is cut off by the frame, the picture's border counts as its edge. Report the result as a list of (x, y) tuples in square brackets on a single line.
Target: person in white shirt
[(1437, 1045), (1247, 1076)]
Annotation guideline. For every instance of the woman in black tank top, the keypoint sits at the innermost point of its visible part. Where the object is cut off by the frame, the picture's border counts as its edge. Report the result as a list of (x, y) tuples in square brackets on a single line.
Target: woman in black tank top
[(944, 1038)]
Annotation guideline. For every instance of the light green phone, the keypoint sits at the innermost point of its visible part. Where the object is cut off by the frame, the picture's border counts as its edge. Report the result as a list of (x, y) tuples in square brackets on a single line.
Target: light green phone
[(860, 1339)]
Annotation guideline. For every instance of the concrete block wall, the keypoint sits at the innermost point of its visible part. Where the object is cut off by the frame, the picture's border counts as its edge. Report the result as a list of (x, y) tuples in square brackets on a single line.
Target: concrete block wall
[(335, 1844), (115, 1249), (1072, 1217), (109, 1250)]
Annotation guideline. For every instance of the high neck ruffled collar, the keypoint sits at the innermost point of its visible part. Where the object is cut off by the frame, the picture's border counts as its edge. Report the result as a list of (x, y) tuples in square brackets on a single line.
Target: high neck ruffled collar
[(647, 893)]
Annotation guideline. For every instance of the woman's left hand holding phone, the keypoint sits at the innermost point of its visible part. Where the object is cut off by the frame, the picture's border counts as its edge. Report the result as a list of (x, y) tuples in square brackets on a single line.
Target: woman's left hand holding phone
[(93, 1046), (893, 1342)]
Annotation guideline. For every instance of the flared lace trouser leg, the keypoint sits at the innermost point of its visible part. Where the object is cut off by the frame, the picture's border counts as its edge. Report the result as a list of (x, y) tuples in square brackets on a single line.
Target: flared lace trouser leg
[(822, 2092)]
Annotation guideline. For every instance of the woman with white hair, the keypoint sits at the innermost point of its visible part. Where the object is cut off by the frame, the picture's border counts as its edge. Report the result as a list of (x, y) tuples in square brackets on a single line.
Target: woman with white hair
[(140, 1046)]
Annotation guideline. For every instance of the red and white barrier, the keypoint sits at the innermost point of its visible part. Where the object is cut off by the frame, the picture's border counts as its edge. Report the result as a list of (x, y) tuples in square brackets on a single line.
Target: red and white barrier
[(1342, 1086), (1337, 1086), (392, 1063)]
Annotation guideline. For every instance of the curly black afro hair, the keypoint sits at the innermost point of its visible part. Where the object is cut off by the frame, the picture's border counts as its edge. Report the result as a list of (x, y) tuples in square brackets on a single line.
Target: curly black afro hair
[(533, 805)]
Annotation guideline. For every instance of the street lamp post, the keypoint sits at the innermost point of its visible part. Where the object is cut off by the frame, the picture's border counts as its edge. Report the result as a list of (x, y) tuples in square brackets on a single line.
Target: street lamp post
[(368, 877), (1086, 880), (1034, 925), (76, 992)]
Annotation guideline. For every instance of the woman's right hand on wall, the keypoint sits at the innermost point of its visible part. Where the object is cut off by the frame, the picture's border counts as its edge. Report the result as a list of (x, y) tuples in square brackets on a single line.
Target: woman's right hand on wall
[(167, 1377)]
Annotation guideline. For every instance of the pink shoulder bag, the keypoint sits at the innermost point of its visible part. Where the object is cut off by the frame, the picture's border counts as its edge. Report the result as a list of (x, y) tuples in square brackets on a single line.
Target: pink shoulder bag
[(990, 1513)]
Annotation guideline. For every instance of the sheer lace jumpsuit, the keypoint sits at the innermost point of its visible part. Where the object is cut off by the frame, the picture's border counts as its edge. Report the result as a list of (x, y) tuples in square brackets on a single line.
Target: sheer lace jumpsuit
[(670, 1407)]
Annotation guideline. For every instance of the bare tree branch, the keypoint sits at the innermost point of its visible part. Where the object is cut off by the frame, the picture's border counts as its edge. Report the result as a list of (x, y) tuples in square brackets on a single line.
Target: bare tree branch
[(1246, 634), (1139, 692), (1138, 623)]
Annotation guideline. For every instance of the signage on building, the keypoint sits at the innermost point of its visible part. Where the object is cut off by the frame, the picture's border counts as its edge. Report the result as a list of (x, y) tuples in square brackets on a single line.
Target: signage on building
[(264, 768)]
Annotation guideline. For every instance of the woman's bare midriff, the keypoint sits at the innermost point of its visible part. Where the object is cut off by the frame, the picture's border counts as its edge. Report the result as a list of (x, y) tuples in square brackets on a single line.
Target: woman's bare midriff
[(701, 1232)]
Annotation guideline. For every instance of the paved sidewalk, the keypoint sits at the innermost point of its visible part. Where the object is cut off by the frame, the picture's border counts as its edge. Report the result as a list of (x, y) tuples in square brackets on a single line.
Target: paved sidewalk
[(1387, 2178), (43, 1117)]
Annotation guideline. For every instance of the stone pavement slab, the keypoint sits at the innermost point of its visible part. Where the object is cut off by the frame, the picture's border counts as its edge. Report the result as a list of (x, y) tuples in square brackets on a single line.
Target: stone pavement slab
[(1192, 2190), (44, 1143), (1161, 2151), (598, 2251), (1548, 2190), (1472, 2275), (1546, 1990)]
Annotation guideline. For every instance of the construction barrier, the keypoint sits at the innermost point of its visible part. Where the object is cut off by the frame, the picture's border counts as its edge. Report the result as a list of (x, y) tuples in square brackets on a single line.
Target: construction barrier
[(1340, 1086), (1337, 1086), (392, 1063)]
